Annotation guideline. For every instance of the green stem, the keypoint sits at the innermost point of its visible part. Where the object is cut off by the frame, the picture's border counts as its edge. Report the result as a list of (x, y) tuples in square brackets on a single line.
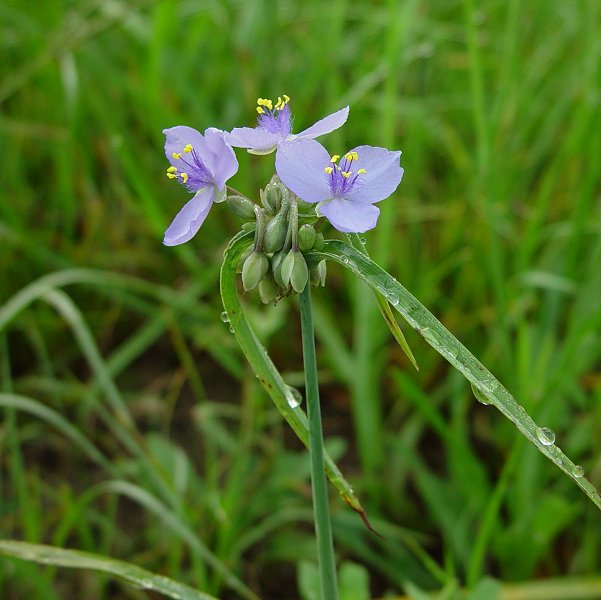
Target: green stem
[(323, 527)]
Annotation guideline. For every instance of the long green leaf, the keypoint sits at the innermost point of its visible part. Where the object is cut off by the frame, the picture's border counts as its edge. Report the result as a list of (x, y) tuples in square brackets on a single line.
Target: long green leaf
[(486, 387), (385, 309), (266, 372), (76, 559)]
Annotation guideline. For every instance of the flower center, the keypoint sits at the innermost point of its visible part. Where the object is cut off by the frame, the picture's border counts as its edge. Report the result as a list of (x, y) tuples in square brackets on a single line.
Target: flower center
[(275, 118), (341, 178), (193, 174)]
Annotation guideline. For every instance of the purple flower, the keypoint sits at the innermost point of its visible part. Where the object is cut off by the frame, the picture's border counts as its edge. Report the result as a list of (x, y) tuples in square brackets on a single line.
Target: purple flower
[(275, 126), (202, 164), (346, 188)]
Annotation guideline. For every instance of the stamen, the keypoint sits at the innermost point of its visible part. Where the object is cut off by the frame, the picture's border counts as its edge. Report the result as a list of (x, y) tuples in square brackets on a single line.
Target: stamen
[(184, 177), (361, 171), (260, 110), (172, 169), (188, 148), (171, 175), (176, 155), (346, 174), (335, 158), (328, 170)]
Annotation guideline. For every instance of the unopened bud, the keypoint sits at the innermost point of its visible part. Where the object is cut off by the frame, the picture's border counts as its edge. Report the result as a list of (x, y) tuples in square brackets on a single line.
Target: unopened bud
[(254, 269), (318, 243), (294, 271), (276, 267), (275, 233), (306, 237), (241, 206), (268, 290), (245, 254), (249, 226), (272, 197), (318, 274)]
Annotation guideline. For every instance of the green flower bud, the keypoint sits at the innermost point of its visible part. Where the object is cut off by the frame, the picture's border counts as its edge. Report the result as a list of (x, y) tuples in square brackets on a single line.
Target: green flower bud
[(275, 233), (276, 267), (249, 226), (306, 237), (294, 271), (247, 252), (268, 290), (241, 206), (253, 270), (318, 274), (272, 197), (319, 241)]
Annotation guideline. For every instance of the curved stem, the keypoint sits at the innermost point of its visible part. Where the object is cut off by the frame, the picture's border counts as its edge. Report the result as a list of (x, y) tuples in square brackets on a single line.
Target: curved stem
[(323, 527)]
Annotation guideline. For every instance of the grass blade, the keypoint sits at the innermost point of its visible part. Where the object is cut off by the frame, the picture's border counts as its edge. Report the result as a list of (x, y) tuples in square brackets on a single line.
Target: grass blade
[(266, 371), (76, 559), (435, 333)]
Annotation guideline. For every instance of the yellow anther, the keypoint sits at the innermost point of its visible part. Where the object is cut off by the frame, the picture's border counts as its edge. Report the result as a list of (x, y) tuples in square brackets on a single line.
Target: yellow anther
[(188, 148), (328, 170), (335, 158), (171, 175), (347, 174), (286, 99), (361, 171), (260, 110), (184, 177), (171, 169), (176, 155), (351, 156)]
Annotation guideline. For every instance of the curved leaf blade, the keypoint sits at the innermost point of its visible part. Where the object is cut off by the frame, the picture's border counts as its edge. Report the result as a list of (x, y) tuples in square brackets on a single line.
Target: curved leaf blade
[(77, 559), (266, 371), (441, 339)]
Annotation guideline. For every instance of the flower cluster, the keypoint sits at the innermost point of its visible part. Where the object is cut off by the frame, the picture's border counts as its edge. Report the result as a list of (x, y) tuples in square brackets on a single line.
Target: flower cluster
[(343, 188)]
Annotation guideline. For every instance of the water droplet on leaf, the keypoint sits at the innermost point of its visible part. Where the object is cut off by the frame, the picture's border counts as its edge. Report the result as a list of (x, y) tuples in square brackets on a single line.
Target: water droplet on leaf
[(480, 396), (223, 316), (577, 471), (545, 436), (294, 397)]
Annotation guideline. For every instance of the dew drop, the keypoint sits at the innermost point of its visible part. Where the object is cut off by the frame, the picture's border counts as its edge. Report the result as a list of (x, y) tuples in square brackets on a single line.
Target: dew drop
[(231, 329), (392, 298), (223, 316), (545, 436), (346, 260), (363, 241), (480, 396), (294, 397), (577, 471)]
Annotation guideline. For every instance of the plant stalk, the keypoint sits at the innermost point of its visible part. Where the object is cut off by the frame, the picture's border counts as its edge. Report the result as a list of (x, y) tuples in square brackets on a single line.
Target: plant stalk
[(323, 527)]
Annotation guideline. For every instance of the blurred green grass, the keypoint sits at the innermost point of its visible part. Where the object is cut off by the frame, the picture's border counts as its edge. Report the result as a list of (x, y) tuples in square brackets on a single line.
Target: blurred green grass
[(496, 228)]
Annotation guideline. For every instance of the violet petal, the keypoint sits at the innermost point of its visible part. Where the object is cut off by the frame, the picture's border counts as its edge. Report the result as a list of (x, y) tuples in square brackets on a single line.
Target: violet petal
[(382, 177), (222, 162), (350, 217), (325, 125), (253, 138), (300, 165), (189, 219), (176, 138)]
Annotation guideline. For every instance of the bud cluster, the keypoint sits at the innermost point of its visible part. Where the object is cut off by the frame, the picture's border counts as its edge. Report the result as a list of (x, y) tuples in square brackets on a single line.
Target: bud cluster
[(275, 263)]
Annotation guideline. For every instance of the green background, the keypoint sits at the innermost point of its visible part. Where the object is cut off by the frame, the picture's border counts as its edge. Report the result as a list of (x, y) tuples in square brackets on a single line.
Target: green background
[(496, 228)]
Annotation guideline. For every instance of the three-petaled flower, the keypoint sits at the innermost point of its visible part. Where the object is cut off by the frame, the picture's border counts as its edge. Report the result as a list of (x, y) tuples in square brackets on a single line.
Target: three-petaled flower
[(274, 126), (345, 189), (202, 164)]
